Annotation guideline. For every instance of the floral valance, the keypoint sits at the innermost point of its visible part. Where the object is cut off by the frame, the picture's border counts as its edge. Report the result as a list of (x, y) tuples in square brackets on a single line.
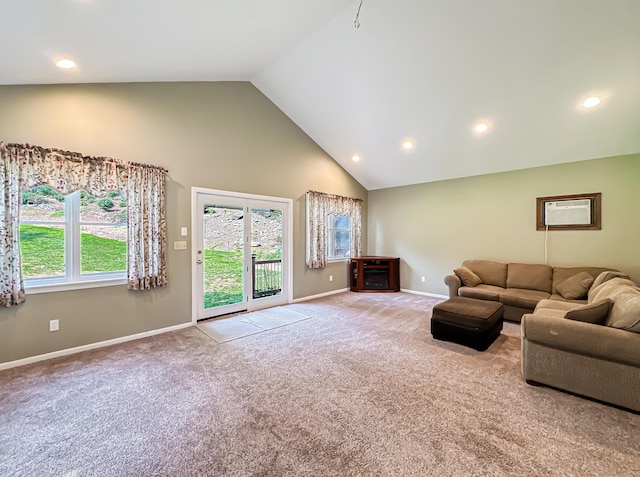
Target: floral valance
[(68, 172)]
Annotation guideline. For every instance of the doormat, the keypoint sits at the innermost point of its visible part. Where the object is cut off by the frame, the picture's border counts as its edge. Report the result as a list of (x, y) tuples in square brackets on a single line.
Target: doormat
[(239, 326)]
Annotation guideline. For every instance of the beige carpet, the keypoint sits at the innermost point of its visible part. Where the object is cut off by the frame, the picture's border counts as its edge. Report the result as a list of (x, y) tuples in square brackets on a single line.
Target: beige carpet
[(359, 388)]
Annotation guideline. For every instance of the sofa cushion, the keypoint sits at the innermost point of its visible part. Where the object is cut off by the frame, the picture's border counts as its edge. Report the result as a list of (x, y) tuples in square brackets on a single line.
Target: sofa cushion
[(549, 307), (522, 298), (605, 277), (609, 288), (560, 274), (561, 298), (551, 312), (529, 276), (595, 313), (576, 286), (467, 277), (549, 303), (482, 292), (491, 273), (625, 313)]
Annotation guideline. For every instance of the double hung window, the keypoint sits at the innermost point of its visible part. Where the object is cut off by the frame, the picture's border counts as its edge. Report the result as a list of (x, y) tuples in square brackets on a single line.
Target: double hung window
[(68, 241), (334, 226), (73, 240), (339, 237)]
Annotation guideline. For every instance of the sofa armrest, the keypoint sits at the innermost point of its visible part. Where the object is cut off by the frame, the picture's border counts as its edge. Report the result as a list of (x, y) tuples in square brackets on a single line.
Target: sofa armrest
[(454, 283), (596, 341)]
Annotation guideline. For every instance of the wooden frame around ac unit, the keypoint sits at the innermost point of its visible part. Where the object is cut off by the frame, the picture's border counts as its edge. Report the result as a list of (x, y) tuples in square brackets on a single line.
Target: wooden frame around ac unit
[(569, 221)]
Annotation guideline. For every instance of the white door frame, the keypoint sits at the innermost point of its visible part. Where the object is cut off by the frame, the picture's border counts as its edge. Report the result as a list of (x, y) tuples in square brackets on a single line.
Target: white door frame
[(287, 250)]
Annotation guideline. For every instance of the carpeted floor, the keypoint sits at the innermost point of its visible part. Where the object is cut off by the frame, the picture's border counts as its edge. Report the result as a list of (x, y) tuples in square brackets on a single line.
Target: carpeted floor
[(359, 388)]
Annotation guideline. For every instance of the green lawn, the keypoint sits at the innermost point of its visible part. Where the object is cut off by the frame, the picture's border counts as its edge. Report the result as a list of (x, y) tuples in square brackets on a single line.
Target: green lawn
[(222, 278), (43, 252), (43, 256)]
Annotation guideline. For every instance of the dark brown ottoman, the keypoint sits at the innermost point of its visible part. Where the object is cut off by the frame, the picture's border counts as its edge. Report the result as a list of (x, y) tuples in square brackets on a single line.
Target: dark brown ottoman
[(467, 321)]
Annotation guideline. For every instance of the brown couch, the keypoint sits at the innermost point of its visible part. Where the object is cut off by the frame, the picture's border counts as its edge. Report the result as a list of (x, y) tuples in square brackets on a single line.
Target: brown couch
[(519, 286)]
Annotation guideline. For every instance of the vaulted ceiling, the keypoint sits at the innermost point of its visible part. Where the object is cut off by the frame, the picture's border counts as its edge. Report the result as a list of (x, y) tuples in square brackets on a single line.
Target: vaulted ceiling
[(418, 71)]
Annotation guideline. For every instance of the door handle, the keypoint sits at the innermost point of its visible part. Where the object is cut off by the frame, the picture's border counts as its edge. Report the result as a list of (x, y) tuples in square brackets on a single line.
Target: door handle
[(199, 262)]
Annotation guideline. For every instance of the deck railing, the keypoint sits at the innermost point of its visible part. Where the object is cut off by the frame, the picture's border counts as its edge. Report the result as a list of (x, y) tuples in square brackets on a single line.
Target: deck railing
[(266, 277)]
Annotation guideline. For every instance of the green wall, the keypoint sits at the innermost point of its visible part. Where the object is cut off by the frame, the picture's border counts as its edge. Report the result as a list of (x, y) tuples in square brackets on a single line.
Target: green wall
[(225, 136), (433, 227)]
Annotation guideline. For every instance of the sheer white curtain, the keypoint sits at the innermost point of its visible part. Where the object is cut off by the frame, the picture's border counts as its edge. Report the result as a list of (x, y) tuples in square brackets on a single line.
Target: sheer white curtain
[(319, 207), (23, 166)]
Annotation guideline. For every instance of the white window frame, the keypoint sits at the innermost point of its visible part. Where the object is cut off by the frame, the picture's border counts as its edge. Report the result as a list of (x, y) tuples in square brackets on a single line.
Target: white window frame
[(331, 238), (73, 279)]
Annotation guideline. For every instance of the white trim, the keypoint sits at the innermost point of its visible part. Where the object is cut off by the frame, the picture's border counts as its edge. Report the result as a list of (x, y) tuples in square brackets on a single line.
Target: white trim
[(73, 279), (242, 195), (287, 251), (101, 344), (66, 286), (311, 297), (414, 292), (194, 256)]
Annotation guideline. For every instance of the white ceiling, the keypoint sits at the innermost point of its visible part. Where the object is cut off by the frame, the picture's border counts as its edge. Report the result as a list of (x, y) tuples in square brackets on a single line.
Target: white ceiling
[(420, 69)]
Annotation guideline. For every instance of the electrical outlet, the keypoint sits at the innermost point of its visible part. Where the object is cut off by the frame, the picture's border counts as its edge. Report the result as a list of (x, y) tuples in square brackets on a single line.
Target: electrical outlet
[(330, 278), (54, 325), (423, 279)]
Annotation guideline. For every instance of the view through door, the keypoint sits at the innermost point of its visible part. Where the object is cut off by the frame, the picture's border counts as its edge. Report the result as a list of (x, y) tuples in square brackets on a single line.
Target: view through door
[(241, 256)]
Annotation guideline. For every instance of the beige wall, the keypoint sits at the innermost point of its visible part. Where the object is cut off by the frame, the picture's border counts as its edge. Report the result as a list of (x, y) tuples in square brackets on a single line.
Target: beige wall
[(434, 227), (215, 135)]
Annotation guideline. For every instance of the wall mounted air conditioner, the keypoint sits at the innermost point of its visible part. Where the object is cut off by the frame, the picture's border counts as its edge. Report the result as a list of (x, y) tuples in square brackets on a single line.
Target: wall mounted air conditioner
[(568, 212)]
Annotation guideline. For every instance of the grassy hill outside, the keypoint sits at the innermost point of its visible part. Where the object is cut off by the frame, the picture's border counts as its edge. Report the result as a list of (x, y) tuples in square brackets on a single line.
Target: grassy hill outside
[(43, 252), (43, 256), (103, 249)]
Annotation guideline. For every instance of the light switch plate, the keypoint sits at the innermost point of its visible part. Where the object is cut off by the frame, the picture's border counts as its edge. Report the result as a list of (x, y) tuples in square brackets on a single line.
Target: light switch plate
[(183, 231)]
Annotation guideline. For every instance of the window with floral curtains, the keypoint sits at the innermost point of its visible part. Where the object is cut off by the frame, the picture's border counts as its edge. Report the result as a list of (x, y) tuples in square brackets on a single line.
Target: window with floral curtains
[(319, 207), (23, 166)]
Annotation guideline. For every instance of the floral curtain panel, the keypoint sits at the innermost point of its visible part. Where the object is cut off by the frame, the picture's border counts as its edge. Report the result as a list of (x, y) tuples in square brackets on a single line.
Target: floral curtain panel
[(23, 166), (11, 282), (319, 207), (147, 243)]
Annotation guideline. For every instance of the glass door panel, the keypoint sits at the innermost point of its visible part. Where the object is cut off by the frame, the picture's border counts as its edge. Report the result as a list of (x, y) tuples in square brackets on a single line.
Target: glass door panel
[(223, 256), (266, 252), (241, 253)]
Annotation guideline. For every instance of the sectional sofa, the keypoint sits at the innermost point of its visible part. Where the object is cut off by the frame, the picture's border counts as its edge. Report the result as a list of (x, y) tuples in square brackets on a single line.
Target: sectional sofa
[(519, 286), (580, 326)]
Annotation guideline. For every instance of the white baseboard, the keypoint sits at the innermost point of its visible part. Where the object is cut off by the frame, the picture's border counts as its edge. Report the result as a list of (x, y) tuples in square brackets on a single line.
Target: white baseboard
[(79, 349), (311, 297), (413, 292)]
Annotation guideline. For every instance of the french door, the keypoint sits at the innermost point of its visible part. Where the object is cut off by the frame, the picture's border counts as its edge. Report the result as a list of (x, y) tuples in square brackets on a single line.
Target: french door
[(241, 252)]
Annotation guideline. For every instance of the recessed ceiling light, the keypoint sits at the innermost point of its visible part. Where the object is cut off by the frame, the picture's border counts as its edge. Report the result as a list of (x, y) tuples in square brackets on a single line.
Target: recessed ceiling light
[(408, 145), (591, 102), (65, 63), (481, 127), (356, 158)]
